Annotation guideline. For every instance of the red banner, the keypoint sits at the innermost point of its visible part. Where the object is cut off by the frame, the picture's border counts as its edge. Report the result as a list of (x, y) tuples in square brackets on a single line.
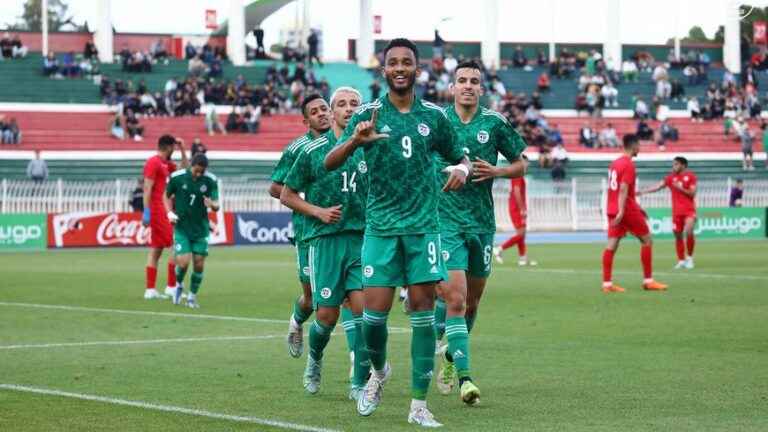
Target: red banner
[(210, 19), (759, 32), (120, 229)]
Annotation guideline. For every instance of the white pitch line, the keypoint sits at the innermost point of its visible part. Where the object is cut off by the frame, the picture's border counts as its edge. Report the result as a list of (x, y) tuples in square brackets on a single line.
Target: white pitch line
[(684, 273), (138, 342), (166, 408)]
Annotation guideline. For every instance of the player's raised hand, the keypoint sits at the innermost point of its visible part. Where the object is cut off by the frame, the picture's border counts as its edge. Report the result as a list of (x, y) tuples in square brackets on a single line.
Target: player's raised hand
[(179, 143), (365, 131), (483, 170), (329, 215)]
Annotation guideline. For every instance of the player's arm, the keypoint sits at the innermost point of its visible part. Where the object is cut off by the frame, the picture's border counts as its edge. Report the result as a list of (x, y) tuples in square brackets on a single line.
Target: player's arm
[(483, 170), (149, 182), (655, 188), (448, 146), (184, 160), (358, 133), (168, 197), (510, 144), (623, 194), (212, 201), (275, 189), (291, 199)]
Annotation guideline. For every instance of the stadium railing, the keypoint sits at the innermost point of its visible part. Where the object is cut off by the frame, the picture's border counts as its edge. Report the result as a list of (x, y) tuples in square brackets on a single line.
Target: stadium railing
[(572, 205)]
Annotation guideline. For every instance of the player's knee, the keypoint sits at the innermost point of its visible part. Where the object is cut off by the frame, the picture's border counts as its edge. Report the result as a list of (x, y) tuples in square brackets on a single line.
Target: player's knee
[(328, 315)]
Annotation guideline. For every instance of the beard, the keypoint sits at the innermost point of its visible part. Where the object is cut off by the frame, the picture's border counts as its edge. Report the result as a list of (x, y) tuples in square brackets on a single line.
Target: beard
[(410, 82)]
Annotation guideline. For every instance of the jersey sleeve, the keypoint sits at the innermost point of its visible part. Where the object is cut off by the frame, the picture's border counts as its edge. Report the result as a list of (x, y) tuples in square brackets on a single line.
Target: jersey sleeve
[(668, 181), (150, 169), (170, 188), (447, 142), (283, 166), (509, 142), (299, 176), (627, 173), (214, 192)]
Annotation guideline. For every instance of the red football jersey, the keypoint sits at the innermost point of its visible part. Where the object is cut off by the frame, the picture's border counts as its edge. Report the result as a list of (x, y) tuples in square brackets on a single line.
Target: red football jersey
[(158, 169), (520, 183), (682, 204), (622, 170)]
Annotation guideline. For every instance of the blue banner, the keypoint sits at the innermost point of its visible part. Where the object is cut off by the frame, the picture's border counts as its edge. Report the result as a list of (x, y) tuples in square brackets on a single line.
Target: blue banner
[(262, 228)]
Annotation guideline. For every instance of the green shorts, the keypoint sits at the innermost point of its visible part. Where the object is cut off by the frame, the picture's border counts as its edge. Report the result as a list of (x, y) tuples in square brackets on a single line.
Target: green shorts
[(302, 261), (468, 252), (334, 267), (400, 260), (184, 244)]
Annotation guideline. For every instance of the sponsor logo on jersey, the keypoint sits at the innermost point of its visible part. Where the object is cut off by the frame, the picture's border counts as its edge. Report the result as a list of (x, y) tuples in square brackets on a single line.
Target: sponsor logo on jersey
[(446, 255), (368, 271), (362, 167), (423, 129), (386, 129), (325, 293), (203, 188), (482, 137)]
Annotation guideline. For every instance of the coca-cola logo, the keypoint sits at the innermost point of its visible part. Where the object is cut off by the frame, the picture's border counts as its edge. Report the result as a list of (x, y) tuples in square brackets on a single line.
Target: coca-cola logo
[(112, 231)]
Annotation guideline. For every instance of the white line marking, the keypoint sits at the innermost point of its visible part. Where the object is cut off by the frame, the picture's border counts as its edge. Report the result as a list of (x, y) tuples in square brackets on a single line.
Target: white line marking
[(166, 408), (138, 342), (684, 273)]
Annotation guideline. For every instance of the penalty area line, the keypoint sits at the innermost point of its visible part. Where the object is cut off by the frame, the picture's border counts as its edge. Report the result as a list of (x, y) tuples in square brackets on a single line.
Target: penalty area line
[(165, 408), (138, 342)]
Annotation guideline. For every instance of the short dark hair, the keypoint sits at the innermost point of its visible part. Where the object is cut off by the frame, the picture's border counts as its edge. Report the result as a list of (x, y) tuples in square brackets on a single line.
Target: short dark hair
[(166, 141), (307, 100), (199, 159), (401, 42), (468, 64), (629, 140), (682, 161)]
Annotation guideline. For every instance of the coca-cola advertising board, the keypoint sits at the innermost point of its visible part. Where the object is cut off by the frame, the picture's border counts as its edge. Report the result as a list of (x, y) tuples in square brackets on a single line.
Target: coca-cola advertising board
[(80, 229)]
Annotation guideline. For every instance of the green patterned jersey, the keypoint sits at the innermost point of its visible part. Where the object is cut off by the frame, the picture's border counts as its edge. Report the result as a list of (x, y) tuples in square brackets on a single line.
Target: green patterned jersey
[(470, 209), (403, 192), (188, 203), (281, 170), (346, 186)]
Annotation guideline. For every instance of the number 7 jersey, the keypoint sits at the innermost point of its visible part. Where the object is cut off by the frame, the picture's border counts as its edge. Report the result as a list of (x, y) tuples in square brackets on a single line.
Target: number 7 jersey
[(403, 195)]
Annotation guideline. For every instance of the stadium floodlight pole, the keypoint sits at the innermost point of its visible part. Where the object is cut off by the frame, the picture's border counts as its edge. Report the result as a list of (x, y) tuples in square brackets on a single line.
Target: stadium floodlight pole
[(44, 23)]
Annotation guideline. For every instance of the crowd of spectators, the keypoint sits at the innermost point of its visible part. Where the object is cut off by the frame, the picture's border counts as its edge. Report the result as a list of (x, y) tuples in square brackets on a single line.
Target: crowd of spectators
[(11, 47)]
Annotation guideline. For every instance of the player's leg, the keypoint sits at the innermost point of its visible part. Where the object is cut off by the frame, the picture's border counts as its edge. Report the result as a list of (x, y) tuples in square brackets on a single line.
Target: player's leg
[(302, 306), (319, 335), (690, 240), (614, 237), (183, 254), (170, 286), (677, 230), (353, 286), (637, 225), (150, 272), (195, 280), (348, 323)]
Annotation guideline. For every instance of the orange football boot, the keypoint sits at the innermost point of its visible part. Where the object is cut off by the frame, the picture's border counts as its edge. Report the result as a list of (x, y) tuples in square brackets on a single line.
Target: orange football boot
[(613, 289), (654, 286)]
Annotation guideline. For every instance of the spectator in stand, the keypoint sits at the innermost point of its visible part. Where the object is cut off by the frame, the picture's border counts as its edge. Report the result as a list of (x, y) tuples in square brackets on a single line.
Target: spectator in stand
[(559, 161), (749, 77), (375, 88), (9, 131), (234, 121), (252, 118), (37, 169), (117, 127), (608, 137), (197, 147), (50, 65), (543, 82), (450, 64), (667, 132), (610, 95), (137, 197), (746, 136), (692, 73), (133, 127), (736, 198), (197, 67), (581, 103), (694, 110), (190, 51), (677, 91), (90, 52), (212, 123), (641, 109), (216, 68), (587, 136), (158, 52), (6, 46), (629, 70), (17, 48), (554, 136), (69, 67), (593, 98), (643, 131), (518, 57), (313, 42), (541, 58)]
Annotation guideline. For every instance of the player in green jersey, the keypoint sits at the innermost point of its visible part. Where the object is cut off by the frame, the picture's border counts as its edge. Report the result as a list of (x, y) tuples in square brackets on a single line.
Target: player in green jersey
[(334, 204), (317, 118), (398, 134), (468, 224), (189, 195)]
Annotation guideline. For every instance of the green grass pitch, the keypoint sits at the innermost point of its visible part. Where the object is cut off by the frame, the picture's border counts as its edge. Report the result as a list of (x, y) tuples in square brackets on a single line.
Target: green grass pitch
[(550, 352)]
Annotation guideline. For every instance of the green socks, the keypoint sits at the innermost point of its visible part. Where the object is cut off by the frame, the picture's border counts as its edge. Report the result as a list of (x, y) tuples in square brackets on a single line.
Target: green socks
[(348, 322), (470, 321), (299, 315), (362, 360), (375, 337), (440, 310), (319, 335), (458, 344), (194, 281), (180, 273), (422, 352)]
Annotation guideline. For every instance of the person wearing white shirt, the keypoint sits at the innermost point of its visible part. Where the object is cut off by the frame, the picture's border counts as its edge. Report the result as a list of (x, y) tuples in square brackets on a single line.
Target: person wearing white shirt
[(694, 109), (629, 69), (610, 94)]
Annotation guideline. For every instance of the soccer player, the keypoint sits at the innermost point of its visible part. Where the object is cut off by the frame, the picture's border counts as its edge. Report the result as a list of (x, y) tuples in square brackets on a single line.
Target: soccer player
[(156, 171), (188, 197), (399, 134), (518, 213), (468, 225), (334, 205), (626, 215), (682, 185), (317, 118)]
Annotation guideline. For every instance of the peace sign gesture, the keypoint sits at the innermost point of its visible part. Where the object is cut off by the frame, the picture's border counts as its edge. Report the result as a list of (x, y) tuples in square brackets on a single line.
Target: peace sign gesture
[(365, 131)]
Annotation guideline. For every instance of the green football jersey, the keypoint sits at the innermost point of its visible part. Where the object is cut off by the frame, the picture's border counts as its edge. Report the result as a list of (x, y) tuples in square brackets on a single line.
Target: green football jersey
[(346, 186), (188, 203), (470, 209), (281, 170), (403, 193)]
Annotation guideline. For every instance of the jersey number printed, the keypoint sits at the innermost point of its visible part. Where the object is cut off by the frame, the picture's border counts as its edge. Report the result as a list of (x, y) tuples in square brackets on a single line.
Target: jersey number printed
[(613, 180), (349, 182), (191, 199), (407, 147), (432, 251)]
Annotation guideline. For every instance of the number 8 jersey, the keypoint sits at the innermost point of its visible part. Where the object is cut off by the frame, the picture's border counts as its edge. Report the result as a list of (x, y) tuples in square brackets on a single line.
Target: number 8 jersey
[(403, 195), (622, 170)]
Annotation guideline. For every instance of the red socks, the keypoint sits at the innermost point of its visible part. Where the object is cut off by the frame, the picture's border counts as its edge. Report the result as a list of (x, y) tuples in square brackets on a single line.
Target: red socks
[(645, 258), (171, 275), (607, 265), (151, 277), (680, 248), (690, 242), (518, 240)]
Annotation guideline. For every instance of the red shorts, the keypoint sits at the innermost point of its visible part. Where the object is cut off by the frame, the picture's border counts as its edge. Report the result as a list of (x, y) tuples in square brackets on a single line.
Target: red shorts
[(161, 231), (678, 221), (633, 222), (517, 218)]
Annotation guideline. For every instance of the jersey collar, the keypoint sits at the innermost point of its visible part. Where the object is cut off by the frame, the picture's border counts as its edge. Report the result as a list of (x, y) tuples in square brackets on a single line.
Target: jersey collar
[(451, 110), (386, 103)]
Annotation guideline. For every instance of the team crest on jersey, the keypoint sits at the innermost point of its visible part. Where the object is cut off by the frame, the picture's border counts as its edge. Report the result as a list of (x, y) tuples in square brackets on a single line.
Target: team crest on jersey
[(184, 186), (423, 129), (482, 137), (368, 271), (325, 293), (362, 167), (203, 188)]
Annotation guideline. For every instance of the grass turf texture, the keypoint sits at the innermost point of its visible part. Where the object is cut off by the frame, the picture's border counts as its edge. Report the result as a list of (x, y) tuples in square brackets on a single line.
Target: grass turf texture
[(549, 351)]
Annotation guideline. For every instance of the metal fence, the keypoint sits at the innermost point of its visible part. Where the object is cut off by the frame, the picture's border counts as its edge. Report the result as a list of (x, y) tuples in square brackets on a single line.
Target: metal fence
[(571, 205)]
